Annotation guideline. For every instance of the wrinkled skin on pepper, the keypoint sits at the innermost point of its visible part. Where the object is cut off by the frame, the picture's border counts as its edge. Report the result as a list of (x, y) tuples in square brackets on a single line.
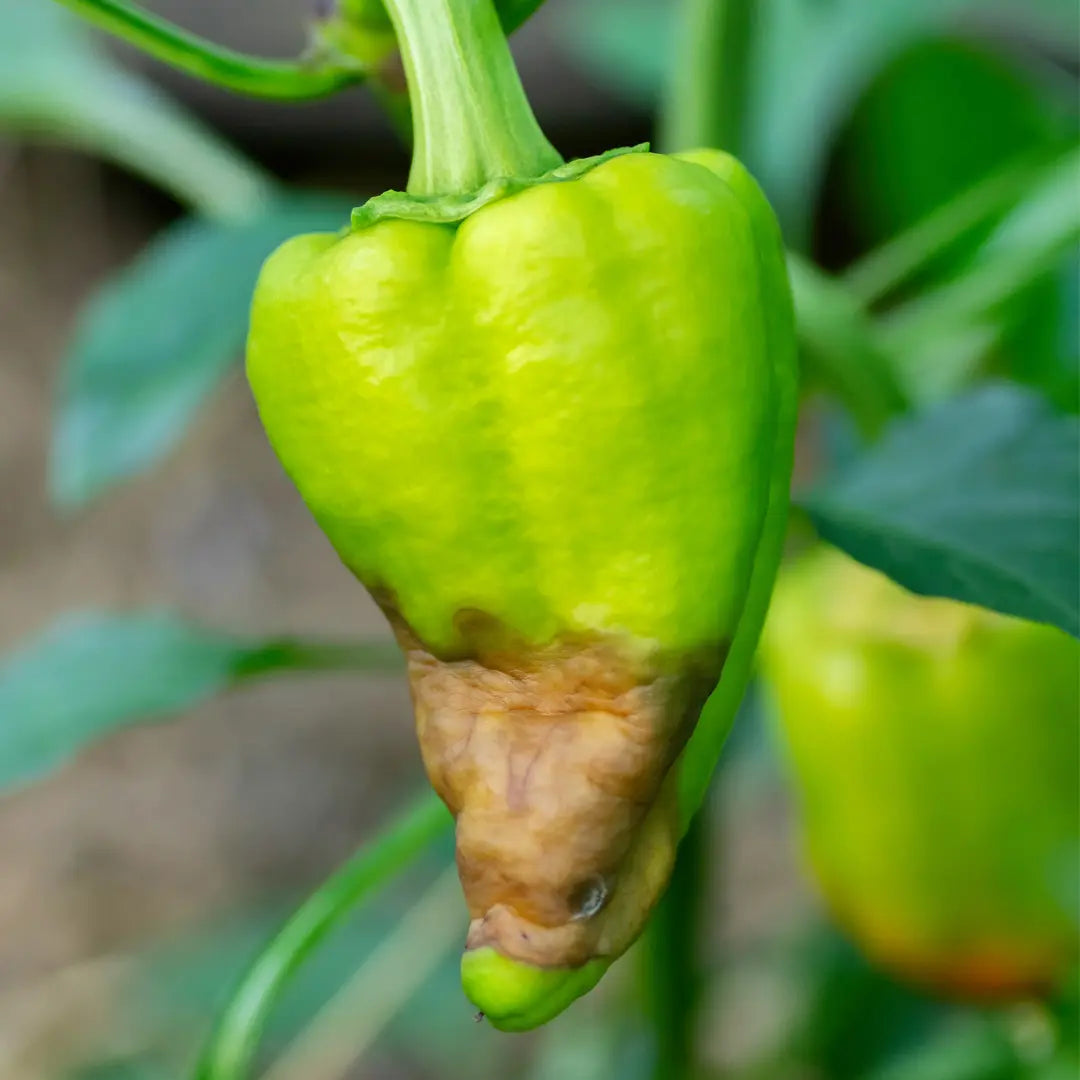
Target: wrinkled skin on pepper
[(936, 750), (543, 438)]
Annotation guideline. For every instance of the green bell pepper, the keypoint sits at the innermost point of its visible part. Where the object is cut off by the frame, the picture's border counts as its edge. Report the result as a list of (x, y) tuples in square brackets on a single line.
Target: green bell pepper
[(543, 411), (935, 747)]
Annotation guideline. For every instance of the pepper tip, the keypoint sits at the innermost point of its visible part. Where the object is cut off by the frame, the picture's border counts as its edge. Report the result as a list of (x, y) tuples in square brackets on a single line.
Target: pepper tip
[(514, 996)]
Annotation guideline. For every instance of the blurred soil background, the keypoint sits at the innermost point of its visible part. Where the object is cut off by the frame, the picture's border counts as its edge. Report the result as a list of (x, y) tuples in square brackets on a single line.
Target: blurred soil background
[(162, 830)]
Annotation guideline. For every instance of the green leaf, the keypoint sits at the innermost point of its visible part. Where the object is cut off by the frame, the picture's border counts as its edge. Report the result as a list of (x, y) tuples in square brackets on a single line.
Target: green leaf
[(841, 350), (812, 63), (155, 341), (809, 63), (89, 674), (1030, 240), (908, 254), (977, 499), (943, 116), (55, 83)]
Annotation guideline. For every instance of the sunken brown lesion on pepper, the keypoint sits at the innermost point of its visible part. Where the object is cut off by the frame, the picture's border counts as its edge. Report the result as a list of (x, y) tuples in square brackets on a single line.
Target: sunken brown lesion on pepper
[(556, 762)]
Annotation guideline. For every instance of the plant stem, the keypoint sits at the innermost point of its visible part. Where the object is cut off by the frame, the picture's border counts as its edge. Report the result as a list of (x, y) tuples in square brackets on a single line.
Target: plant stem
[(233, 1045), (705, 97), (703, 107), (398, 966), (290, 80), (471, 119), (299, 655), (671, 969)]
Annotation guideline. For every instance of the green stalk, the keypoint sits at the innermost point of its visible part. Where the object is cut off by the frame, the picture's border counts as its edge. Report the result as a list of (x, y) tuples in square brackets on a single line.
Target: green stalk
[(671, 958), (367, 656), (705, 97), (471, 119), (234, 1043), (347, 1026), (290, 80), (703, 107)]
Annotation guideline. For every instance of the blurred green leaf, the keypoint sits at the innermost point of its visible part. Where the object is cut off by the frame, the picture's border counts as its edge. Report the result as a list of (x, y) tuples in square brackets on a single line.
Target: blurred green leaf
[(809, 63), (942, 116), (626, 43), (908, 255), (812, 62), (977, 499), (1028, 241), (155, 341), (841, 348), (55, 83), (91, 673), (968, 1048)]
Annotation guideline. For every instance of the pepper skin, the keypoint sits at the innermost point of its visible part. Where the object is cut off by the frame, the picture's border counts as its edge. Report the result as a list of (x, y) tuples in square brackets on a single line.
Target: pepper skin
[(936, 750), (543, 436)]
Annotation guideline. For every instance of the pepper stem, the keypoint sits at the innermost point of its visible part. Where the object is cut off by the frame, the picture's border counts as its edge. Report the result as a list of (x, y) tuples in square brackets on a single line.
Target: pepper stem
[(471, 119)]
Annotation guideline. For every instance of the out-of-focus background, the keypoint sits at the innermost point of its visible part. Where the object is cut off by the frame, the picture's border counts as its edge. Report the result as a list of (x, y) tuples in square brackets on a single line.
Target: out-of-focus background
[(137, 879)]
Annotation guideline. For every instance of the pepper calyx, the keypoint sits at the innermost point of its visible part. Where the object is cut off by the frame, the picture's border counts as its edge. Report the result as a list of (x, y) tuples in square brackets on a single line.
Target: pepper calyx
[(454, 208)]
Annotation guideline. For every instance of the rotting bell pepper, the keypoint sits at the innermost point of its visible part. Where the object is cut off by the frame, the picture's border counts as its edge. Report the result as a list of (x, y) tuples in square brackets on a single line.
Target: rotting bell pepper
[(544, 412), (935, 747)]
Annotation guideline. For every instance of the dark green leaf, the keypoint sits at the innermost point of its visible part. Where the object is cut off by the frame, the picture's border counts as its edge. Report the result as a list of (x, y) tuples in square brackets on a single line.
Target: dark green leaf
[(153, 344), (89, 674), (928, 334), (977, 499), (943, 116), (812, 63), (809, 63)]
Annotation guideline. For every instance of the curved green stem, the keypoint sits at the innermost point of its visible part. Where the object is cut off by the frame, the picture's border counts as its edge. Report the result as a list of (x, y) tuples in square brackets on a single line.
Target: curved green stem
[(344, 1030), (472, 122), (289, 80), (233, 1045)]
